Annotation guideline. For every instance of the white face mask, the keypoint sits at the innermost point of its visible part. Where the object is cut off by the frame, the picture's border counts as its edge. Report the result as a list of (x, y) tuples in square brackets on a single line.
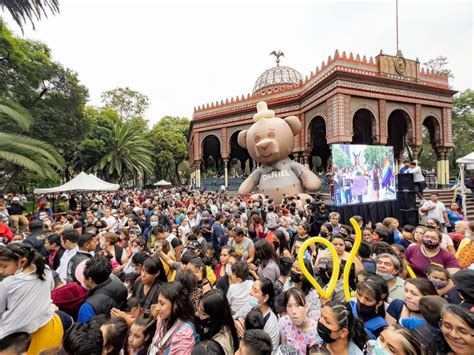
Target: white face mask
[(228, 269)]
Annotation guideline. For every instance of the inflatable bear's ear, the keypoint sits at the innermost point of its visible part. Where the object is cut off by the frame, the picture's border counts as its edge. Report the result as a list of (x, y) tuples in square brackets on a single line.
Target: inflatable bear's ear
[(242, 139), (294, 123)]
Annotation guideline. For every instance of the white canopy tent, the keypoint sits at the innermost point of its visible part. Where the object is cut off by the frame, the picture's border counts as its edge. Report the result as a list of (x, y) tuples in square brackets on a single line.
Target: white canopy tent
[(163, 183), (466, 162), (81, 182)]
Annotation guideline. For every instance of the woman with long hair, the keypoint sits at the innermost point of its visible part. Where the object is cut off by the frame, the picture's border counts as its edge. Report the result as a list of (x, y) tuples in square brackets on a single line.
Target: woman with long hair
[(215, 319), (268, 262), (297, 329), (147, 288), (224, 267), (280, 244), (337, 240), (25, 298), (262, 296), (175, 326), (340, 331), (409, 306), (298, 280), (369, 307), (396, 340)]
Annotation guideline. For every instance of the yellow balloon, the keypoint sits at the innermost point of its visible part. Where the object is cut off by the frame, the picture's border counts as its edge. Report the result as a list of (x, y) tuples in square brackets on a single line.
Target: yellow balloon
[(350, 260), (336, 266)]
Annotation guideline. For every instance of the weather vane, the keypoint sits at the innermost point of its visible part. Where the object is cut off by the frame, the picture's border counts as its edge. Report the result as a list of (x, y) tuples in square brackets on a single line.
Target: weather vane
[(278, 54)]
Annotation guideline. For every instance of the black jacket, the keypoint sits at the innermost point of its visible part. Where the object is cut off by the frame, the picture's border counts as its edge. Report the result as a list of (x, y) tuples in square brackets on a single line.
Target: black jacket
[(72, 265), (107, 295), (36, 240)]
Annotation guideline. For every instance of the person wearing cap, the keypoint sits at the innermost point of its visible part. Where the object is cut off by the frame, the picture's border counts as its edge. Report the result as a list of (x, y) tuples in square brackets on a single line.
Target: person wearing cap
[(37, 237), (5, 231), (463, 292), (16, 211)]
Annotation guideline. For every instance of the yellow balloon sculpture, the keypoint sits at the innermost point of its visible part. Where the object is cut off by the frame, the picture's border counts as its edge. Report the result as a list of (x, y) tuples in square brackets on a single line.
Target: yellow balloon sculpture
[(336, 263), (335, 273), (350, 260)]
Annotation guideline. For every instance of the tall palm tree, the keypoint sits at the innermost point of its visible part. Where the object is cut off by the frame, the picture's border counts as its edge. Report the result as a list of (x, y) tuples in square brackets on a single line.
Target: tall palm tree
[(24, 10), (23, 151), (129, 152)]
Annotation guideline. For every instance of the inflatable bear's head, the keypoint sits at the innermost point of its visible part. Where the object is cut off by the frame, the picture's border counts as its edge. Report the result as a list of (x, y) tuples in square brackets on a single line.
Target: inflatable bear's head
[(270, 139)]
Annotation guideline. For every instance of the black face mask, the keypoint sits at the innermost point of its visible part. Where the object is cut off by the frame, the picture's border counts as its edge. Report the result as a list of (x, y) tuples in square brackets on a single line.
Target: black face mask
[(204, 323), (323, 234), (366, 312), (325, 333), (295, 277)]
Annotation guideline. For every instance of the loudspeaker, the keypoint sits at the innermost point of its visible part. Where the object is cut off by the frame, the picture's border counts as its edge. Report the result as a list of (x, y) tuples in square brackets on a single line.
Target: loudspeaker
[(405, 182), (407, 199), (409, 216)]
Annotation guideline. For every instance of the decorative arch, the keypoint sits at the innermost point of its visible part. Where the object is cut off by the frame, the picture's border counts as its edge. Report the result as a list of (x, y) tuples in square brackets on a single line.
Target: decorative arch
[(212, 163), (400, 131), (364, 126), (409, 115), (317, 144), (204, 135), (307, 130), (433, 124), (238, 153)]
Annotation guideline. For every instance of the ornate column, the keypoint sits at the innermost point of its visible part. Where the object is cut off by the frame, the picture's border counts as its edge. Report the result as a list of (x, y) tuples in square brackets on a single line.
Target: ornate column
[(440, 166), (198, 173), (226, 173), (446, 165)]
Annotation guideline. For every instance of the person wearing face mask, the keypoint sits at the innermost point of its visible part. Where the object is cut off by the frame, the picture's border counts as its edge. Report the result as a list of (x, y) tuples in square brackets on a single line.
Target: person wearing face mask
[(398, 341), (421, 256), (214, 317), (148, 231), (388, 267), (297, 329), (339, 332), (439, 278), (261, 298), (369, 307), (409, 306)]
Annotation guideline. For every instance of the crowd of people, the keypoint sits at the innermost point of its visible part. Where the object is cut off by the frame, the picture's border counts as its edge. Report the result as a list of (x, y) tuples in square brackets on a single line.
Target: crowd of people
[(182, 272)]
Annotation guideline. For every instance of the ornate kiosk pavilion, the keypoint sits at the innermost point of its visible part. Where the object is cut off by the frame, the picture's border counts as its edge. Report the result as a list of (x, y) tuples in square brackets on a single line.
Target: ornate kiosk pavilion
[(348, 99)]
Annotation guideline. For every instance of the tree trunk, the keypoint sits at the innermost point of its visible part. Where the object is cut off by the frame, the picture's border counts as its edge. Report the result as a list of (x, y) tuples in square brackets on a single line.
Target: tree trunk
[(11, 180), (177, 174)]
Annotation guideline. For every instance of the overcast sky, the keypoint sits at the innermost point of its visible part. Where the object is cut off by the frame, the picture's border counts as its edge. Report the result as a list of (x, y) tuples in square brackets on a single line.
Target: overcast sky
[(185, 54)]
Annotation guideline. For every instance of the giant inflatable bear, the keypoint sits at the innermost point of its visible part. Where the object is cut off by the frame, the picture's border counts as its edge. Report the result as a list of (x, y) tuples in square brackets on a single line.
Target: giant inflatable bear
[(269, 141)]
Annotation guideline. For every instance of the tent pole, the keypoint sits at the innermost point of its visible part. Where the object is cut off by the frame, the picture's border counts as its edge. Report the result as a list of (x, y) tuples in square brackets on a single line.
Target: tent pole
[(463, 189)]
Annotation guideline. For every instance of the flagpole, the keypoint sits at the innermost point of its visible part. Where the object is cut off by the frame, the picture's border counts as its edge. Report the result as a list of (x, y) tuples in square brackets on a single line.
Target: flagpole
[(396, 11)]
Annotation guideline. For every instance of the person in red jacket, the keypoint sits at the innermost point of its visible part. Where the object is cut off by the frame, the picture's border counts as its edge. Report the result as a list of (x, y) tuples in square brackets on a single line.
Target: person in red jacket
[(5, 231)]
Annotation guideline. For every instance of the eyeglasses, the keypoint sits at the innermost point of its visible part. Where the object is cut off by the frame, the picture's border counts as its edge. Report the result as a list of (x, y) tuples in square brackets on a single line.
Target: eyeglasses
[(449, 328)]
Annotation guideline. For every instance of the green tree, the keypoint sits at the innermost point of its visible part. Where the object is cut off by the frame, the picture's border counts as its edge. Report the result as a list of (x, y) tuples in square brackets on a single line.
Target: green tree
[(439, 64), (29, 10), (463, 126), (180, 124), (170, 147), (129, 153), (52, 94), (127, 102), (340, 158), (22, 152)]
